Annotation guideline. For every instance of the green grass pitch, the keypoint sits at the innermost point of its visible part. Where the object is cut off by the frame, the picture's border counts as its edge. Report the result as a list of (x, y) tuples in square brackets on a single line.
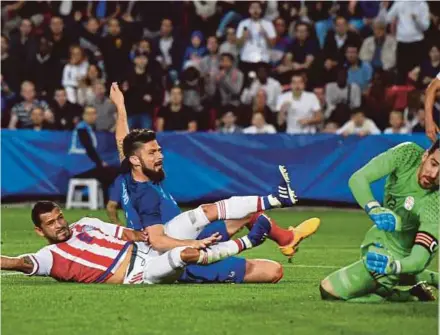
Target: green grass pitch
[(42, 306)]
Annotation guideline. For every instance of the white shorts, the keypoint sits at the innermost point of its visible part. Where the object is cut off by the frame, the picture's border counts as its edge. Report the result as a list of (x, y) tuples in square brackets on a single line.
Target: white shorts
[(148, 266)]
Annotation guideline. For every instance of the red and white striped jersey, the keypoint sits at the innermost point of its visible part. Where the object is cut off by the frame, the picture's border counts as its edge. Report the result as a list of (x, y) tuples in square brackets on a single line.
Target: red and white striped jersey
[(92, 254)]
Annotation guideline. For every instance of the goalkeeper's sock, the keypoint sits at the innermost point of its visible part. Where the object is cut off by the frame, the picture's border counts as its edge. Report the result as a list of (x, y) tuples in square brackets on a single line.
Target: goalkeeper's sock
[(277, 234), (222, 250)]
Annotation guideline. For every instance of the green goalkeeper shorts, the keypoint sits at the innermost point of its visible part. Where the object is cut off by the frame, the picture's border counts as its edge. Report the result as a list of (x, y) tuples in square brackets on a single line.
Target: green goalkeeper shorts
[(355, 280)]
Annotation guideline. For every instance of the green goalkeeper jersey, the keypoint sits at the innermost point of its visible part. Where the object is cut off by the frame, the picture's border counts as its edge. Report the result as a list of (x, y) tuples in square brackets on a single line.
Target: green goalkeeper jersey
[(418, 208)]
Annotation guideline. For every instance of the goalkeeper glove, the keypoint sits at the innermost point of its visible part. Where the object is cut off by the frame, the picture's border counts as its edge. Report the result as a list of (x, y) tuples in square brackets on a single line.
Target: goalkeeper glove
[(384, 218), (382, 264)]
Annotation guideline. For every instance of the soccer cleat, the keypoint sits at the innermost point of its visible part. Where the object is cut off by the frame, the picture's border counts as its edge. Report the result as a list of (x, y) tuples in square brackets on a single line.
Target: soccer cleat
[(422, 291), (284, 196), (300, 232), (257, 235)]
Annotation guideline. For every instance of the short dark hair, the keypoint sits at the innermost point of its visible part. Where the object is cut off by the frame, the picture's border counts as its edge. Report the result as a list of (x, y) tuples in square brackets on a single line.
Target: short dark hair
[(135, 139), (357, 110), (228, 55), (433, 147), (42, 207)]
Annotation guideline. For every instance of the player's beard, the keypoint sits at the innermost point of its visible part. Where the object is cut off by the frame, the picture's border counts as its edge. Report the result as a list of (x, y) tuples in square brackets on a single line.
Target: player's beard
[(154, 176)]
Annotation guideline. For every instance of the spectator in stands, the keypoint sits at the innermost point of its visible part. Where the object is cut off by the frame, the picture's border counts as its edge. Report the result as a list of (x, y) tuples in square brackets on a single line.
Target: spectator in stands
[(115, 48), (320, 12), (330, 128), (256, 36), (9, 66), (299, 110), (424, 73), (259, 126), (168, 49), (143, 91), (380, 49), (38, 121), (341, 97), (229, 125), (258, 104), (103, 10), (335, 45), (419, 127), (61, 42), (85, 86), (89, 37), (358, 125), (143, 47), (66, 114), (205, 17), (44, 70), (196, 51), (210, 67), (176, 116), (412, 20), (304, 49), (105, 109), (85, 142), (7, 98), (193, 88), (359, 72), (397, 124), (376, 105), (282, 42), (23, 47), (319, 91), (230, 44), (21, 112), (271, 87), (74, 72), (230, 81)]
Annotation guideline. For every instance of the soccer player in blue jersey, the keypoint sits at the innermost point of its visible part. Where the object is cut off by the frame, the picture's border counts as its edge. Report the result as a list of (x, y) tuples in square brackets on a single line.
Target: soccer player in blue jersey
[(148, 206)]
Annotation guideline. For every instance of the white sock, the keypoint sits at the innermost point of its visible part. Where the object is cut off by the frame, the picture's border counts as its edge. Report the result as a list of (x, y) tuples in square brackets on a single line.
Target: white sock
[(222, 250), (238, 207)]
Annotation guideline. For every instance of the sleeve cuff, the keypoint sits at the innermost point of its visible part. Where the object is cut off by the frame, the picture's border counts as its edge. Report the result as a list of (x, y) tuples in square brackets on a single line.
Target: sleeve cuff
[(36, 265), (372, 204), (119, 231)]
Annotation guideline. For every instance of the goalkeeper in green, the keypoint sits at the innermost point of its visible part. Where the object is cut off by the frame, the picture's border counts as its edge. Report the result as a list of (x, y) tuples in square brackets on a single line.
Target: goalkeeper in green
[(404, 238)]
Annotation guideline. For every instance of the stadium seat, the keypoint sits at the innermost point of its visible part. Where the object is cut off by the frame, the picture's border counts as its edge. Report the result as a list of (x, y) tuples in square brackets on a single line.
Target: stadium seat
[(95, 197)]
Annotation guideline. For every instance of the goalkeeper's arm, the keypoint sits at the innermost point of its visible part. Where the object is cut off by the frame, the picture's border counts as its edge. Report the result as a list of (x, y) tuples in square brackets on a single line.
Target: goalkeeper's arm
[(415, 263), (375, 169)]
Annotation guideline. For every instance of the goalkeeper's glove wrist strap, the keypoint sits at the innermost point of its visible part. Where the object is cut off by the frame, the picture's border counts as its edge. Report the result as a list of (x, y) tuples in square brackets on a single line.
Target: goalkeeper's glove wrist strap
[(372, 204), (396, 267)]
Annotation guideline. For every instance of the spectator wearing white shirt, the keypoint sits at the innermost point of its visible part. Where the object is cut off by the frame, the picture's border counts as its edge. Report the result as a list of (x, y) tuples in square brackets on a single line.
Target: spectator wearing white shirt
[(271, 86), (259, 126), (358, 125), (257, 37), (74, 72), (300, 111), (397, 124), (412, 21)]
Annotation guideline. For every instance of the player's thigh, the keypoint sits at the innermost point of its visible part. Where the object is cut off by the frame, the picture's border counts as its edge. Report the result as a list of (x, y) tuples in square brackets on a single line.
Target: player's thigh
[(349, 282), (182, 226), (164, 269), (263, 271), (228, 270)]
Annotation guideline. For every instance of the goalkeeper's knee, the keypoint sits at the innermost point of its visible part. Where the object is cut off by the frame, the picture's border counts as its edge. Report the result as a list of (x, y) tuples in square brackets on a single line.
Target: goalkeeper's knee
[(325, 288)]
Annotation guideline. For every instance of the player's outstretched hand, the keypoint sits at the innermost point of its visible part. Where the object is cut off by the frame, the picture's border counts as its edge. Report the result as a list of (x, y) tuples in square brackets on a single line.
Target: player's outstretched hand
[(384, 218), (116, 95), (432, 130), (206, 242), (380, 263)]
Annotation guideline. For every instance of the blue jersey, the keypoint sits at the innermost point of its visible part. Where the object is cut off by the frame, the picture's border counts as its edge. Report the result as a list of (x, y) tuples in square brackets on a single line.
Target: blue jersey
[(144, 203)]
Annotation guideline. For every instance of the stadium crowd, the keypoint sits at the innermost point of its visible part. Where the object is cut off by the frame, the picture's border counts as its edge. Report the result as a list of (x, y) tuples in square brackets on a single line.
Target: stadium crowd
[(352, 67)]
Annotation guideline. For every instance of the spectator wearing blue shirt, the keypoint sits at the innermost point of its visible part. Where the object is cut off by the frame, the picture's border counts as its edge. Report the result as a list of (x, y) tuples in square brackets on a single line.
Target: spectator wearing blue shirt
[(282, 42), (359, 72), (196, 51)]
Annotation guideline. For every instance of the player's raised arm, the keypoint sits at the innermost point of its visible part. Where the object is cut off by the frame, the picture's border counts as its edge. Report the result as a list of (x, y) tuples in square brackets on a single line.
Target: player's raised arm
[(430, 95), (22, 263), (121, 129)]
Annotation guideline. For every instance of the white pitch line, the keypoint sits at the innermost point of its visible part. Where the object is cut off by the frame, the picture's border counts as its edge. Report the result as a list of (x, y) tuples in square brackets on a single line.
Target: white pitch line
[(5, 274)]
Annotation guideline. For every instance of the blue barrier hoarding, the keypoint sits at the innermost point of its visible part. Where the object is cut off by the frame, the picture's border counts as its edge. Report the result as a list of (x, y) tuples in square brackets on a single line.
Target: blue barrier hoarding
[(203, 166)]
